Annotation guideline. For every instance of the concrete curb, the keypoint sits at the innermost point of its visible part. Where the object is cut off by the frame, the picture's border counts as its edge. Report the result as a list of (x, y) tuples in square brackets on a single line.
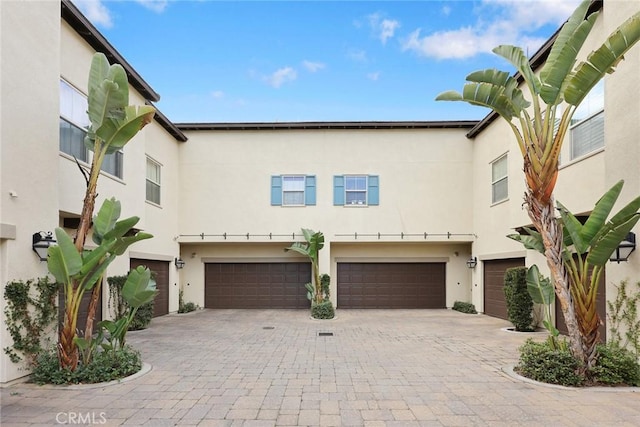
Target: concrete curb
[(510, 372)]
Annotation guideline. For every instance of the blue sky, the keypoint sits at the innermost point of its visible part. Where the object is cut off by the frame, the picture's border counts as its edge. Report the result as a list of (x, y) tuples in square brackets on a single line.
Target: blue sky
[(282, 61)]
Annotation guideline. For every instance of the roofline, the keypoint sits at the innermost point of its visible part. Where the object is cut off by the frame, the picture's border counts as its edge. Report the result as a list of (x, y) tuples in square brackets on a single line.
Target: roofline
[(461, 124), (85, 29), (168, 125), (536, 61)]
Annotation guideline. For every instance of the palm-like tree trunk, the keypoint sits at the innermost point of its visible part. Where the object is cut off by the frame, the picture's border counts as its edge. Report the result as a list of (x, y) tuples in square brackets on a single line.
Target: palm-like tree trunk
[(67, 348), (542, 214)]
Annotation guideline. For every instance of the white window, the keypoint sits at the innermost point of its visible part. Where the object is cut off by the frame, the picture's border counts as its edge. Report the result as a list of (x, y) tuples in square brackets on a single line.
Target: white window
[(74, 122), (587, 123), (153, 181), (499, 180), (112, 164), (293, 190), (355, 188)]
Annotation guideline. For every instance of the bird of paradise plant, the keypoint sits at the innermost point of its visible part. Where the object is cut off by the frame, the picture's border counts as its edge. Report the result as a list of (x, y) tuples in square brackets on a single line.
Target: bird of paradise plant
[(539, 125)]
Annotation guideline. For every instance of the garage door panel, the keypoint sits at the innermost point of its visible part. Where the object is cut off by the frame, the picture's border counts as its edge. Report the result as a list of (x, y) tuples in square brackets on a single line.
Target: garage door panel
[(391, 285), (494, 300), (256, 285), (161, 270)]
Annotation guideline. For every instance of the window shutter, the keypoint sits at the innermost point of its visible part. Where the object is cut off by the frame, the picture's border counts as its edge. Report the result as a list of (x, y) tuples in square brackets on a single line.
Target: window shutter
[(373, 190), (338, 190), (276, 190), (310, 190)]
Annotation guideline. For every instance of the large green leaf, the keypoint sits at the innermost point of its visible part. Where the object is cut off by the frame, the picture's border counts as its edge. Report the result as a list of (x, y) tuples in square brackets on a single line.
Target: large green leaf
[(136, 290), (487, 95), (607, 243), (564, 51), (64, 261), (518, 59), (122, 227), (123, 243), (598, 217), (117, 132), (91, 258), (533, 240), (573, 227), (299, 247), (95, 275), (539, 287), (108, 91), (105, 219), (602, 60)]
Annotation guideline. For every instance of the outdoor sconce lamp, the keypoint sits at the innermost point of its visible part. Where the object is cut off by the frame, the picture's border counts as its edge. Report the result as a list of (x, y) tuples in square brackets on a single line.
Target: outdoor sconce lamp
[(472, 262), (624, 249), (41, 243), (179, 263)]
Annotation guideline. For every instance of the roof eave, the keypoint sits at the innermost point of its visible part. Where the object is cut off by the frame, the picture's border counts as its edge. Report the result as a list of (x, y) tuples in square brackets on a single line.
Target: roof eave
[(463, 124)]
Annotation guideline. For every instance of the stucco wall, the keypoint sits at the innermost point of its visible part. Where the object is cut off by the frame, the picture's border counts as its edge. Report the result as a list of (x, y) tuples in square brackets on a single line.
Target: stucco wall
[(28, 131)]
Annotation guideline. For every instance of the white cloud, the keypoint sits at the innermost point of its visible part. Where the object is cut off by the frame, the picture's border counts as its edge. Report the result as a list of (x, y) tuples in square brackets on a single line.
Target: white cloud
[(281, 76), (96, 12), (498, 22), (383, 28), (157, 6), (446, 10), (217, 94), (313, 66), (357, 55), (374, 76)]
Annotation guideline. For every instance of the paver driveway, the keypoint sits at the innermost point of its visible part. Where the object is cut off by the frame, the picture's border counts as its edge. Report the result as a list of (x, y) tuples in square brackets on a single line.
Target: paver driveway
[(272, 367)]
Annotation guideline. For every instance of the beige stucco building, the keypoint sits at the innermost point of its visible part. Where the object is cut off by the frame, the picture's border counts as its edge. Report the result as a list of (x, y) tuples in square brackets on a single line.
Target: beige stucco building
[(403, 205)]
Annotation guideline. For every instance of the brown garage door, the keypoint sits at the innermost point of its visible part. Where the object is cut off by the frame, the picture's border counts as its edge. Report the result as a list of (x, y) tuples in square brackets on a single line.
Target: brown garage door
[(256, 285), (601, 308), (391, 285), (161, 270), (494, 302)]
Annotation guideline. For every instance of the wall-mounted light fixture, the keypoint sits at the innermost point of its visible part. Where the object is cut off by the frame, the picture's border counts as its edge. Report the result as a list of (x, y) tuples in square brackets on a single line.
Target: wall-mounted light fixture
[(41, 243), (624, 249), (179, 263), (472, 262)]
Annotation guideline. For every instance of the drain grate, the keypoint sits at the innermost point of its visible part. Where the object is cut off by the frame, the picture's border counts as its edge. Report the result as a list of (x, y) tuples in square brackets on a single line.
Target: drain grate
[(325, 334), (268, 327)]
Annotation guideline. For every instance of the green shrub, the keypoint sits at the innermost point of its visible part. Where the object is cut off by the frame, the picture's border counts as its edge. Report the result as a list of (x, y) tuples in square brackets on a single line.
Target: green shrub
[(616, 366), (188, 307), (105, 366), (519, 302), (323, 310), (540, 362), (143, 316), (464, 307)]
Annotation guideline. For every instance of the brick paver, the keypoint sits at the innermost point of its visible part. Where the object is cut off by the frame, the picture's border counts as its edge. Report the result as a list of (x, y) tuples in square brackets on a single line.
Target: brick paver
[(380, 368)]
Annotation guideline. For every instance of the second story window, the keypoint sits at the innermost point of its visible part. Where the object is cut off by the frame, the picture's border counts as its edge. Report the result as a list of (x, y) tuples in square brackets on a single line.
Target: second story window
[(153, 181), (587, 123), (73, 122), (293, 190), (356, 190), (499, 180)]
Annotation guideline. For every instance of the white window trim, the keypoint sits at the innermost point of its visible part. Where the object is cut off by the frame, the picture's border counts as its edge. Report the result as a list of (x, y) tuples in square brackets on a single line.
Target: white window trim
[(505, 177), (159, 184), (304, 188), (575, 125), (366, 191)]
